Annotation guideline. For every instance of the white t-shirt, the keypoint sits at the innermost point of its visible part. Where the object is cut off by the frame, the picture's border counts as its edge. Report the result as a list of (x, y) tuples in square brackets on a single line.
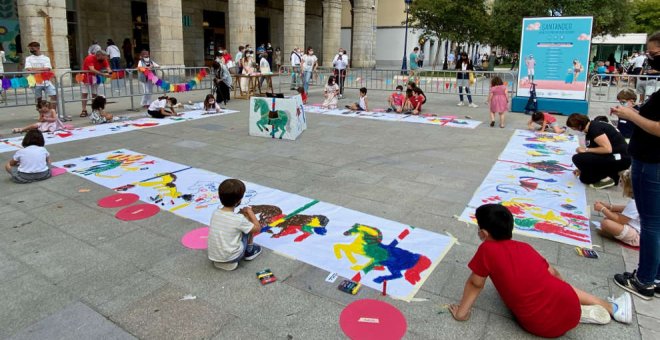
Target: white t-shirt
[(295, 59), (308, 62), (340, 62), (38, 61), (32, 159), (630, 211), (639, 61), (225, 233), (113, 50), (158, 104), (264, 66), (2, 60)]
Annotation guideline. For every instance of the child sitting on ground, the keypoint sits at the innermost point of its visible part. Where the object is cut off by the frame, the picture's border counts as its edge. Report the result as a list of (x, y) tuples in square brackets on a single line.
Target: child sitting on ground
[(230, 233), (31, 163), (628, 98), (157, 107), (416, 101), (621, 221), (540, 300), (546, 121), (210, 105), (331, 94), (362, 104), (48, 121), (396, 100), (303, 94), (99, 116)]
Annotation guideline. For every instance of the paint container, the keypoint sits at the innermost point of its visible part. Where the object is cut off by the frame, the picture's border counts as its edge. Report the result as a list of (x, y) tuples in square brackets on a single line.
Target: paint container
[(350, 287)]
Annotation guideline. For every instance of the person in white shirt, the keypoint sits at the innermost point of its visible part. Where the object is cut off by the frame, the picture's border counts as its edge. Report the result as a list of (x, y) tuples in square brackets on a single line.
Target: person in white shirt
[(264, 68), (157, 107), (39, 63), (147, 86), (2, 70), (32, 163), (309, 65), (114, 55), (231, 234), (296, 59), (340, 65), (638, 63)]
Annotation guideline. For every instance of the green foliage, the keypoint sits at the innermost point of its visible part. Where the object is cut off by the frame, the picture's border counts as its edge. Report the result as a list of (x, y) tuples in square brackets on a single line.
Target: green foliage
[(450, 19), (646, 16), (610, 17)]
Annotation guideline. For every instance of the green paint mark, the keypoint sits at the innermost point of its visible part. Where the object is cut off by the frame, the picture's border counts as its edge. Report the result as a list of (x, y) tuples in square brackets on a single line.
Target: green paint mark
[(299, 210), (527, 223), (525, 170)]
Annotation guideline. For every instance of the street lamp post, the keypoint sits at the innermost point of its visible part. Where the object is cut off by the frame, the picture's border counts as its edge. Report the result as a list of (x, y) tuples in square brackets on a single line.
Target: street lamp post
[(404, 67), (445, 65)]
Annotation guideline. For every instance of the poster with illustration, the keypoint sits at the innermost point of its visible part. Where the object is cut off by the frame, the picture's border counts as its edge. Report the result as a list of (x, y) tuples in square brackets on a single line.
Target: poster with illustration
[(277, 118), (554, 55)]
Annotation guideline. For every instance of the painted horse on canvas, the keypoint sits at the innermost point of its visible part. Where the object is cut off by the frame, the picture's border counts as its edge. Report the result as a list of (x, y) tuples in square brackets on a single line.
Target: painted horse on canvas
[(278, 119), (271, 216), (368, 243)]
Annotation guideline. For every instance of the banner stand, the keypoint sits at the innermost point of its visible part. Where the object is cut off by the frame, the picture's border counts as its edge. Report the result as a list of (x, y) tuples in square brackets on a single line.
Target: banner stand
[(561, 106)]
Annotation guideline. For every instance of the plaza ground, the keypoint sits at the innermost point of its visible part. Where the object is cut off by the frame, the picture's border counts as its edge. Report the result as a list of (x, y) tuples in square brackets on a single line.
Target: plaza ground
[(69, 268)]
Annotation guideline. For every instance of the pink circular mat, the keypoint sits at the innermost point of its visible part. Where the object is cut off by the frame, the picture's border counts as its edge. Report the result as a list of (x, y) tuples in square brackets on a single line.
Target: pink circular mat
[(137, 212), (118, 200), (196, 238), (372, 319)]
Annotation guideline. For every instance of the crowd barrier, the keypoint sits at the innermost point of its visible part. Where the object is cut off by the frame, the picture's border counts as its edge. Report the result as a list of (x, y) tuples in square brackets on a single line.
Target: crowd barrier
[(19, 88), (605, 87), (441, 82)]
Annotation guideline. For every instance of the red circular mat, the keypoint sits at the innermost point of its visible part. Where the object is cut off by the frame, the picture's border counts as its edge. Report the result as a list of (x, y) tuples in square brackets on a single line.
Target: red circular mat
[(372, 319), (137, 212), (196, 238), (118, 200)]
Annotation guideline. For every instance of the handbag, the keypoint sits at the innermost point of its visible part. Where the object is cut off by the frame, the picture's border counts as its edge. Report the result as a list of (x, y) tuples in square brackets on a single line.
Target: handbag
[(471, 77)]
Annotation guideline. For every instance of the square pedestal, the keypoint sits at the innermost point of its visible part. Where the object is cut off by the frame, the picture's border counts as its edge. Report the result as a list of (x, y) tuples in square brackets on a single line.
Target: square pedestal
[(281, 118)]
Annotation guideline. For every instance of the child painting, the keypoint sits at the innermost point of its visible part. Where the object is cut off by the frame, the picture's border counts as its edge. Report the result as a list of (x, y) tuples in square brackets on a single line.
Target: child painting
[(230, 233), (396, 100), (331, 94), (541, 301), (32, 163), (47, 122), (621, 221), (99, 116), (157, 109), (545, 121)]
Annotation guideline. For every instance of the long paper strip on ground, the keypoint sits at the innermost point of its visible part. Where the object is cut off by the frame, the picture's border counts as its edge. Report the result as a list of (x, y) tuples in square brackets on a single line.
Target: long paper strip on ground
[(63, 136), (534, 179), (353, 244), (447, 120)]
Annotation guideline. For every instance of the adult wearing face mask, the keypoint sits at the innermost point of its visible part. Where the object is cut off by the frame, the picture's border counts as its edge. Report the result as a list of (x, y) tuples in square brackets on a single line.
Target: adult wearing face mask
[(309, 65), (37, 62), (645, 152), (147, 86), (248, 68), (464, 66), (96, 65), (604, 155), (340, 65)]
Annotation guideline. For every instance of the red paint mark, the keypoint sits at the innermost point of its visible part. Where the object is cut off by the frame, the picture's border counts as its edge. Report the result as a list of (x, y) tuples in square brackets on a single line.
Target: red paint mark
[(384, 288), (553, 228), (64, 134), (529, 185), (356, 278), (404, 234), (152, 162), (379, 268), (413, 275), (574, 216), (144, 124)]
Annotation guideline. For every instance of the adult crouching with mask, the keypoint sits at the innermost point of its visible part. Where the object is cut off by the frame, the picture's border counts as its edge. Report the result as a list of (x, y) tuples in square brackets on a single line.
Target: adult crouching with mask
[(645, 152), (604, 155)]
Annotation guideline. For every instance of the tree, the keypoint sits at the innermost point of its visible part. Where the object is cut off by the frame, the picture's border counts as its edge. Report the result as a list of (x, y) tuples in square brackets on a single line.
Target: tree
[(449, 19), (646, 16), (505, 23)]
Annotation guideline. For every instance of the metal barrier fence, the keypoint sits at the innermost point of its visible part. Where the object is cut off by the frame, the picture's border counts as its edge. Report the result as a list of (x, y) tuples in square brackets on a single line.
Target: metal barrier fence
[(441, 82), (605, 87), (129, 83)]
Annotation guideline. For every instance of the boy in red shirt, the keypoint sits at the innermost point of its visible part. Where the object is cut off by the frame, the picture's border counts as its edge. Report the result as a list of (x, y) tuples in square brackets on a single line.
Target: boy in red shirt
[(541, 302), (396, 100), (546, 120), (417, 100)]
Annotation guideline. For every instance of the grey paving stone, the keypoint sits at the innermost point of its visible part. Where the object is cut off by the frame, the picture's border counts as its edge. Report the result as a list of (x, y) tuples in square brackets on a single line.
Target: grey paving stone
[(45, 197), (26, 299), (76, 321), (10, 267), (190, 144), (163, 315), (142, 248), (503, 328), (29, 237)]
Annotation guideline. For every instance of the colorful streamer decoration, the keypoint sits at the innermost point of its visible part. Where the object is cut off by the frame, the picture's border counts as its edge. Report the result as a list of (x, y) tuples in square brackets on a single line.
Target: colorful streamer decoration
[(168, 87), (29, 80)]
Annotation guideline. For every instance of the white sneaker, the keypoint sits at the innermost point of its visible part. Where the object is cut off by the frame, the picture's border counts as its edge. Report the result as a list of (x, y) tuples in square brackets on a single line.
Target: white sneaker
[(622, 307), (473, 105), (461, 104), (595, 314), (228, 266)]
